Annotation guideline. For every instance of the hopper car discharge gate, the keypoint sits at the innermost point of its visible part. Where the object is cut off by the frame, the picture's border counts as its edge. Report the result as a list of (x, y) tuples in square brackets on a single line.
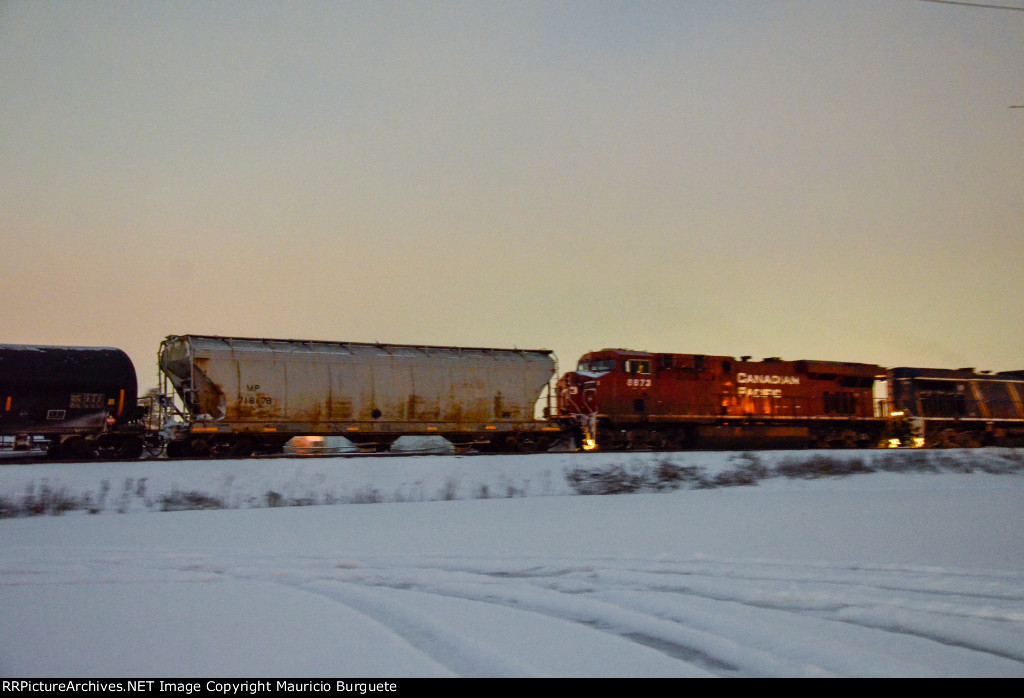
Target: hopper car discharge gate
[(244, 395)]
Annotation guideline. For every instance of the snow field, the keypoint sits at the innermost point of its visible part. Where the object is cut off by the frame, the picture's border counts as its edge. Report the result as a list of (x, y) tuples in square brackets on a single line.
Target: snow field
[(916, 573)]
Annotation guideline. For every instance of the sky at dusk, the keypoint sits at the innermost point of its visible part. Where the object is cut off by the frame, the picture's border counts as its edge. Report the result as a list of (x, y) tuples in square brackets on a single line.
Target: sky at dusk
[(810, 179)]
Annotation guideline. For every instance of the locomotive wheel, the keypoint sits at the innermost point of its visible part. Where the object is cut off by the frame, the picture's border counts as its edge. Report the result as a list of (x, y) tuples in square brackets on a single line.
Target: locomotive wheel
[(675, 440), (610, 440), (657, 441), (849, 439)]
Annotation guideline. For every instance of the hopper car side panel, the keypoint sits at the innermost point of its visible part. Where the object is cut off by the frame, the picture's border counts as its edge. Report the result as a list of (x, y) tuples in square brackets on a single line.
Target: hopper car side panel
[(274, 389)]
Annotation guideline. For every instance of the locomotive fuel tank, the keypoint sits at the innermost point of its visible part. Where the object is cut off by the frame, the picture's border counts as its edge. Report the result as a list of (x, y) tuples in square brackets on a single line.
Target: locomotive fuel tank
[(632, 399), (244, 393), (67, 394)]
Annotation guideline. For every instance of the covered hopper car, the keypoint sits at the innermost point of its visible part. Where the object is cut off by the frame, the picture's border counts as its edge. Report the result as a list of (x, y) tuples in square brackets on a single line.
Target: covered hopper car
[(81, 401), (241, 395), (623, 399)]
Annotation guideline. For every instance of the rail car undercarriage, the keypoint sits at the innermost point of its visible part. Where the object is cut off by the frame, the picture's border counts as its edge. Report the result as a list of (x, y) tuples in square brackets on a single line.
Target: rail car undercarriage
[(606, 435)]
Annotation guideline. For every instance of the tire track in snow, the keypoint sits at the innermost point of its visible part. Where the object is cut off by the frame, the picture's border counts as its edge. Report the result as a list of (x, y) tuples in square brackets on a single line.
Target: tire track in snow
[(873, 609), (686, 653), (457, 653), (663, 617), (463, 646), (380, 593), (804, 597), (694, 647), (937, 607)]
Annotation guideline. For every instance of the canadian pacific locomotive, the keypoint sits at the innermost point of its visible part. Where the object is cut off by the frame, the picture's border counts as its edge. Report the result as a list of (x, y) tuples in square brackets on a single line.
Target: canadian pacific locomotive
[(235, 396), (632, 399)]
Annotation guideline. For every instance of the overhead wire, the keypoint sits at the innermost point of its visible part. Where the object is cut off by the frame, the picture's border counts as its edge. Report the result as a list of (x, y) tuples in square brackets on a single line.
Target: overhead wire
[(981, 5), (984, 6)]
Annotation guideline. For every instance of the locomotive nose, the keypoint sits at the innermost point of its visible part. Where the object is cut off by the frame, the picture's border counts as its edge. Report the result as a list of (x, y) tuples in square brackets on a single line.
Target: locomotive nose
[(567, 390), (572, 406)]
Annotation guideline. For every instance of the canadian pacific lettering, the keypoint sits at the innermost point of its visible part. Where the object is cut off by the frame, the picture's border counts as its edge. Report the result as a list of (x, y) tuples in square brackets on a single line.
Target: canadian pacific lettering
[(770, 380), (749, 378), (758, 392)]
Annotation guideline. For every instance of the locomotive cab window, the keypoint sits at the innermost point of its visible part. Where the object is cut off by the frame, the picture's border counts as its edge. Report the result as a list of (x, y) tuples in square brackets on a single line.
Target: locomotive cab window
[(602, 366), (636, 368)]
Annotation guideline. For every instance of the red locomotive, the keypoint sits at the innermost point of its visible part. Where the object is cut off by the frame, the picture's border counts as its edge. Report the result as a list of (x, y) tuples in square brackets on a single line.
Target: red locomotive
[(623, 399)]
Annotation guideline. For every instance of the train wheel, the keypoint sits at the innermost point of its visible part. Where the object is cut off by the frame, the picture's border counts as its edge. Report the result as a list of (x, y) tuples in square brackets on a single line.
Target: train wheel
[(242, 447), (681, 439), (523, 443), (267, 446), (607, 441), (77, 447), (221, 448), (155, 444), (499, 444), (199, 448), (130, 448), (530, 443)]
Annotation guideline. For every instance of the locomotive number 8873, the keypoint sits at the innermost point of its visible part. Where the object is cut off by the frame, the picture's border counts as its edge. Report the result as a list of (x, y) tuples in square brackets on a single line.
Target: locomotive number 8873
[(623, 399)]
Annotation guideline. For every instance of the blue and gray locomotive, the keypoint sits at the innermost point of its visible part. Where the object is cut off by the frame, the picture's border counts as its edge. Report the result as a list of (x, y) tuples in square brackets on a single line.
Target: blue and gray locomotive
[(947, 408)]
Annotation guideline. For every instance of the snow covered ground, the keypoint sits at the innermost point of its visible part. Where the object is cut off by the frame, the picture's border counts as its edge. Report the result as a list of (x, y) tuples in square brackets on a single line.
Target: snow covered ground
[(913, 565)]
